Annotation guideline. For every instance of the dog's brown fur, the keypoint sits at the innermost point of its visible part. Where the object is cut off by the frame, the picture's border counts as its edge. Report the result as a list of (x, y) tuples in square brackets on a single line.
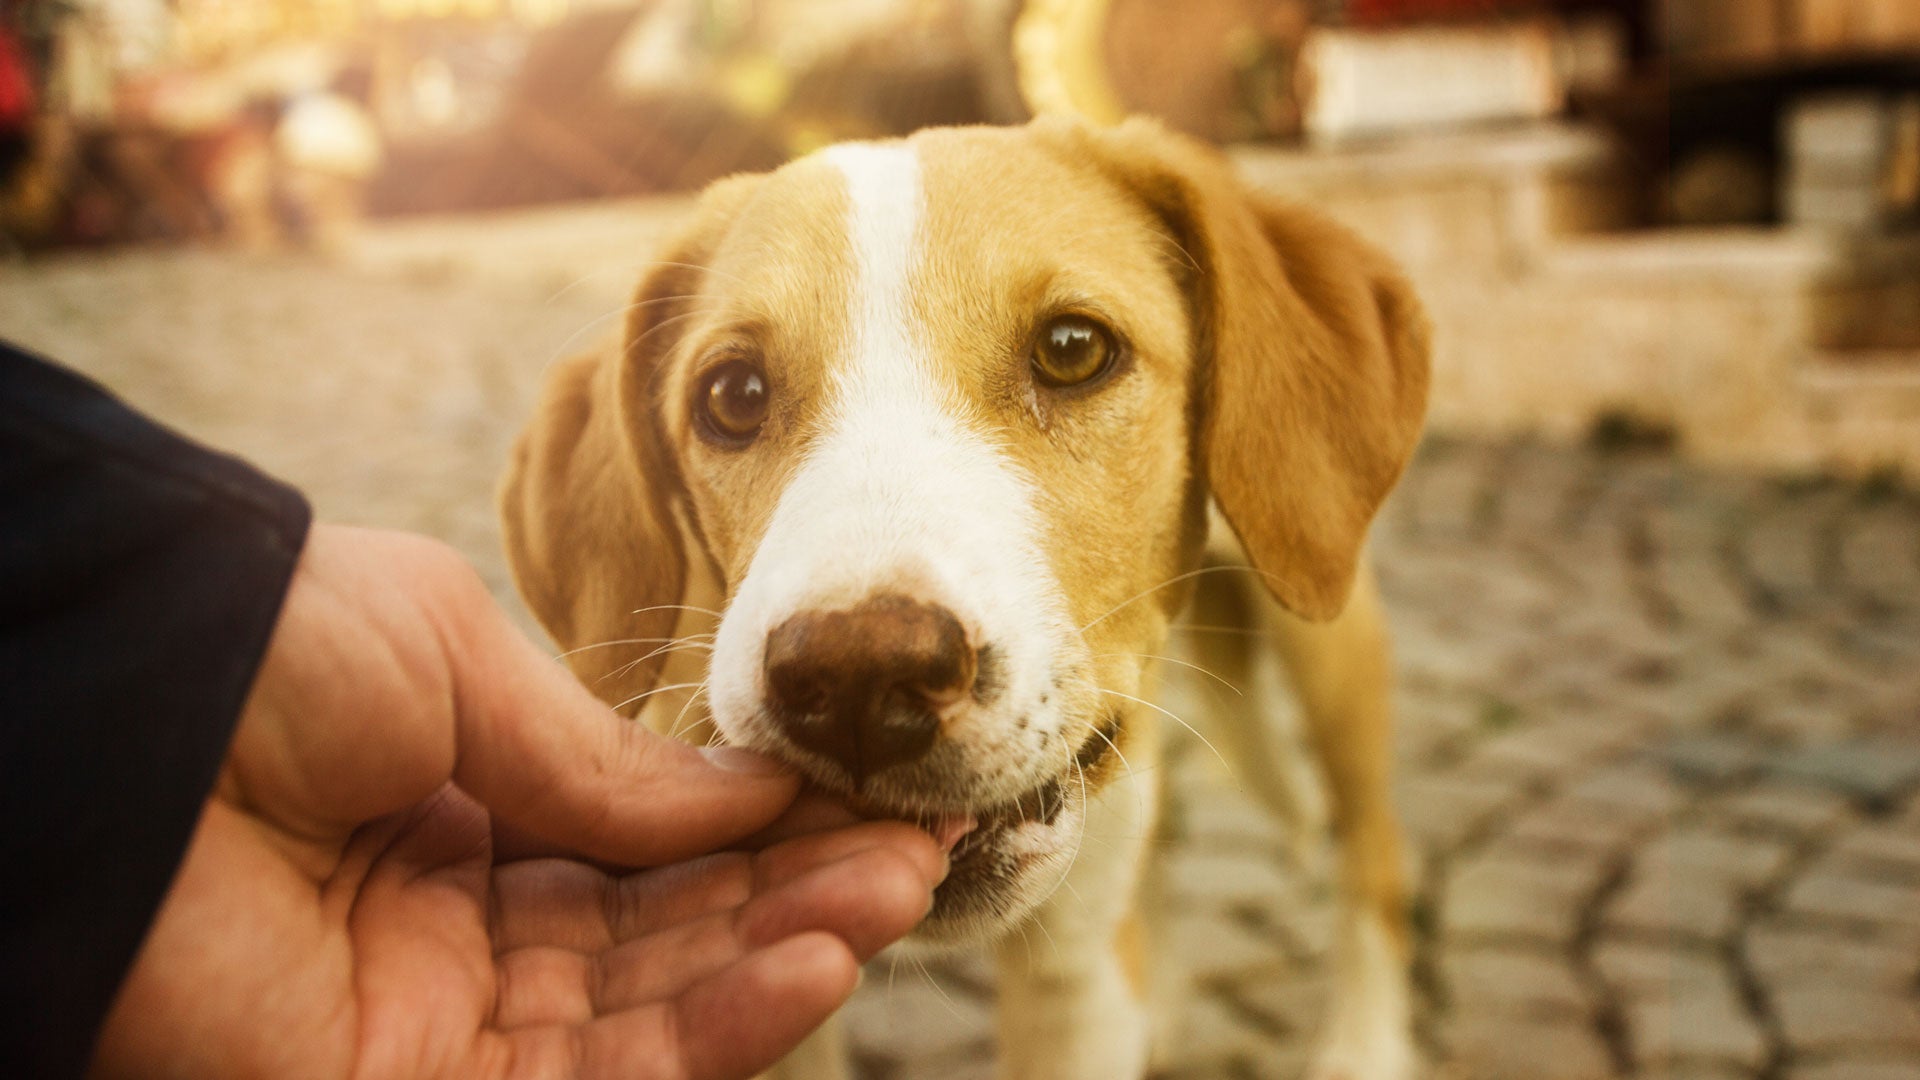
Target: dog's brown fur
[(1279, 365)]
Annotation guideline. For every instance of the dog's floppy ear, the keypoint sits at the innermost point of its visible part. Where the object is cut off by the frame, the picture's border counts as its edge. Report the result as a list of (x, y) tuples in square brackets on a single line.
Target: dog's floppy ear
[(586, 507), (1315, 363)]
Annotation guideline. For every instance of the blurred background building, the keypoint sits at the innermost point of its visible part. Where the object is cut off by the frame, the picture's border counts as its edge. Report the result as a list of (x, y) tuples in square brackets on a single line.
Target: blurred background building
[(1687, 220)]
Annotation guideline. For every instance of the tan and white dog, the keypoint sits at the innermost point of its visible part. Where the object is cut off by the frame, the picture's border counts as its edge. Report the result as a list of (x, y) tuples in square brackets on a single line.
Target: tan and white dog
[(910, 446)]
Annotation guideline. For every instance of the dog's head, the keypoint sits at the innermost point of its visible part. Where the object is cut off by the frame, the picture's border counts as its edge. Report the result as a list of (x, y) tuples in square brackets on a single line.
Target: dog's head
[(941, 418)]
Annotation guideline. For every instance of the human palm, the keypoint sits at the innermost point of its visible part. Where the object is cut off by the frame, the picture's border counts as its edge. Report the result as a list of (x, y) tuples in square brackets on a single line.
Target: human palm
[(382, 884)]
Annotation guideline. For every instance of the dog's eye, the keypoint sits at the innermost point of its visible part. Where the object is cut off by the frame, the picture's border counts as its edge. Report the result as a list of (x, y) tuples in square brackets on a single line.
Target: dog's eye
[(733, 401), (1072, 349)]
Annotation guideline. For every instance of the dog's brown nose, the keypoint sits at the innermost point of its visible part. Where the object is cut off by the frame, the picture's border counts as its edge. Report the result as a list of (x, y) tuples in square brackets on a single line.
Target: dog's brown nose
[(864, 686)]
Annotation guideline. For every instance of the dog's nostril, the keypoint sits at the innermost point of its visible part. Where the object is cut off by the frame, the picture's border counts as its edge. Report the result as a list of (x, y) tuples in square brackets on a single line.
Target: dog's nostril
[(796, 688), (863, 686)]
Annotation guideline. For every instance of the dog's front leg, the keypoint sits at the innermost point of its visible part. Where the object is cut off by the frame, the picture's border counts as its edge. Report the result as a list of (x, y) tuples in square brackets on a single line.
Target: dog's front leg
[(1343, 672), (1072, 978)]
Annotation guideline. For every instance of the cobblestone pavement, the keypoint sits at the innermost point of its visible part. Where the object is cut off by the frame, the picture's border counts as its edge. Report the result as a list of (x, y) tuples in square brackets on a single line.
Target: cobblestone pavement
[(1660, 726)]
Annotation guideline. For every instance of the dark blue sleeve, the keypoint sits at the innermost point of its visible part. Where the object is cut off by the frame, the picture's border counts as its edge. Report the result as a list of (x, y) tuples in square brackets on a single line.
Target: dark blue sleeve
[(140, 578)]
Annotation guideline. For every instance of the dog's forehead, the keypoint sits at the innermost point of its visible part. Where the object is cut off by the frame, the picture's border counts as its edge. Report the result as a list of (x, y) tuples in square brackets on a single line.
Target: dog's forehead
[(951, 208), (999, 191)]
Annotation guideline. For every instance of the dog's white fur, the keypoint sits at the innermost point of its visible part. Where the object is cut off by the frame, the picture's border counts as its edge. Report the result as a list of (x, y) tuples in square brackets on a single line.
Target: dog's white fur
[(901, 494)]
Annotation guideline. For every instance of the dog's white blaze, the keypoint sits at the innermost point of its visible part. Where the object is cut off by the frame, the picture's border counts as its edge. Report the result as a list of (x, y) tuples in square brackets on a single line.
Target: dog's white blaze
[(898, 494), (883, 220)]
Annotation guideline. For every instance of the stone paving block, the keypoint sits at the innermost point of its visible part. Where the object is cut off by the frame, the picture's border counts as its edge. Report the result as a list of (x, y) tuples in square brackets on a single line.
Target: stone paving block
[(1226, 818), (1206, 946), (1876, 554), (1194, 874), (1820, 1017), (1543, 750), (1712, 693), (1782, 551), (1681, 1007), (1782, 809), (1875, 771), (1501, 1048), (1709, 757), (1448, 498), (1665, 904), (1561, 824), (1705, 1022), (1781, 951), (1892, 848), (1889, 707), (1831, 893), (1501, 896), (1440, 810), (1517, 982), (1703, 589), (1857, 1069), (1635, 790), (1212, 1035), (1288, 998), (1802, 711), (1747, 861), (1639, 970)]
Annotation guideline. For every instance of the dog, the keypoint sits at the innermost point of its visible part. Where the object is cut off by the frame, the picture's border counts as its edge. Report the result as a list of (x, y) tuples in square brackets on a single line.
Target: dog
[(902, 473)]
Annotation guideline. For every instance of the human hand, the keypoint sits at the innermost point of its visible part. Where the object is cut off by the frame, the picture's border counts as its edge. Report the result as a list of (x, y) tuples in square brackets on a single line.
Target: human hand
[(341, 910)]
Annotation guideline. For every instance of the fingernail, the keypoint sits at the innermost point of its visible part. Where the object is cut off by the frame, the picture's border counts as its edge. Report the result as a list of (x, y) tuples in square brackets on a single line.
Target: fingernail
[(736, 760)]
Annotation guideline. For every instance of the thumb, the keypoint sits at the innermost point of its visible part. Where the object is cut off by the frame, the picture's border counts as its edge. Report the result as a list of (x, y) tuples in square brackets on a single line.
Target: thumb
[(549, 759)]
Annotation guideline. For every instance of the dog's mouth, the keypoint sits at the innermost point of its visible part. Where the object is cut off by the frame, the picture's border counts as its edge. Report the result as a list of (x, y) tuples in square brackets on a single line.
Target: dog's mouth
[(996, 852)]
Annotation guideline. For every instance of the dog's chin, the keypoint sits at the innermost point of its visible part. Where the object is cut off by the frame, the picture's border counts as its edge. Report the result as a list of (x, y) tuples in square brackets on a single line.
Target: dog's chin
[(1008, 855), (1011, 859), (1014, 856)]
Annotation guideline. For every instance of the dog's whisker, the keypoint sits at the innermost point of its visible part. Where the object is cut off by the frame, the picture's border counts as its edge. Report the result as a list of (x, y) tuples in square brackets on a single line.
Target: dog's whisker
[(670, 647), (1132, 777), (1174, 580), (1204, 741), (935, 983), (658, 690), (625, 271), (1080, 837), (1201, 628), (666, 322), (676, 607), (615, 641), (1175, 660), (567, 342), (1177, 246), (697, 266), (1067, 884), (673, 730), (1048, 934)]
